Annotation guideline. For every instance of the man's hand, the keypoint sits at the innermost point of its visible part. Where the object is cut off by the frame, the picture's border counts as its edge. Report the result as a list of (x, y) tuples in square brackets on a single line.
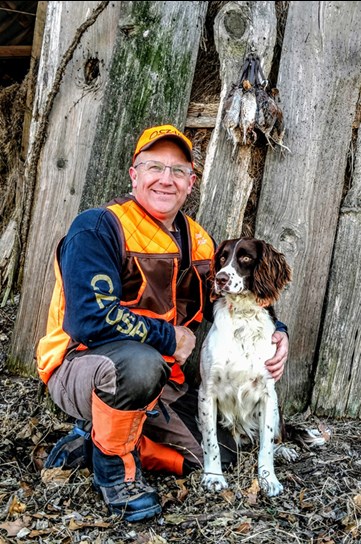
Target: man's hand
[(276, 365), (185, 344)]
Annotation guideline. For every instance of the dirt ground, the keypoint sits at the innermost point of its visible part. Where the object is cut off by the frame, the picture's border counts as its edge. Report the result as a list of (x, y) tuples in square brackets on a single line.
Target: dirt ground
[(321, 502)]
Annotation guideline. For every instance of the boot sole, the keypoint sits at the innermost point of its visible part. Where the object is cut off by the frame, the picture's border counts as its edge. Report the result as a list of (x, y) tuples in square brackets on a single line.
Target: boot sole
[(139, 515)]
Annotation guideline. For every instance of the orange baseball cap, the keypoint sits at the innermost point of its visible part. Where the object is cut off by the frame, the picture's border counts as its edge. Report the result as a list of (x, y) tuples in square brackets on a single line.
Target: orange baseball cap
[(153, 134)]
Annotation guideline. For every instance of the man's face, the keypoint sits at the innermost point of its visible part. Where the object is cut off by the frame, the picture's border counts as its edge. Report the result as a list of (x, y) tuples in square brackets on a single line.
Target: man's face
[(161, 194)]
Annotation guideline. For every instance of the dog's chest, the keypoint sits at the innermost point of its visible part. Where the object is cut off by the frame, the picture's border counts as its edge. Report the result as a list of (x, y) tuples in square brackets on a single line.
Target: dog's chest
[(238, 345)]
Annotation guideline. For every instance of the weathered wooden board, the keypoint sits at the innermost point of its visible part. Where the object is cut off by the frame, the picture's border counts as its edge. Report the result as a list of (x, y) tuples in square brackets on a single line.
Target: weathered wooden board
[(337, 390), (65, 132), (134, 66), (240, 28), (319, 82), (150, 84)]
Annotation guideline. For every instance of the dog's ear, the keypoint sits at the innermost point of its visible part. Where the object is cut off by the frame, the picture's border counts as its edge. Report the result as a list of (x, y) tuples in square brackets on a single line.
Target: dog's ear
[(213, 271), (271, 274)]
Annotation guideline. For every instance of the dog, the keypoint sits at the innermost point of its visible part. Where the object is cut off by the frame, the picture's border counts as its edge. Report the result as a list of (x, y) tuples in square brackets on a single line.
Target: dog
[(248, 276)]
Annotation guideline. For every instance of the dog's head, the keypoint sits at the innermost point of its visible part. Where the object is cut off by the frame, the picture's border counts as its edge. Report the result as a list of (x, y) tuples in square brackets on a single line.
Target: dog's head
[(249, 265)]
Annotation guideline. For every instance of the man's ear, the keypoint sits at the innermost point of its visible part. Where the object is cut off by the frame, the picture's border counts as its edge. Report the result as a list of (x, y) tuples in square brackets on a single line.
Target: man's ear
[(133, 176), (192, 181)]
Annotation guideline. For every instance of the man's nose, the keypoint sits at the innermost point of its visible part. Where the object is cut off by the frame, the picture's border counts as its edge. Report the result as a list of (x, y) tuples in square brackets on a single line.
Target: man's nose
[(167, 174)]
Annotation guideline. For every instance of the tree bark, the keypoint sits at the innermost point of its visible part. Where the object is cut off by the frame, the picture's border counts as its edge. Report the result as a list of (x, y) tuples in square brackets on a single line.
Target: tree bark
[(319, 82)]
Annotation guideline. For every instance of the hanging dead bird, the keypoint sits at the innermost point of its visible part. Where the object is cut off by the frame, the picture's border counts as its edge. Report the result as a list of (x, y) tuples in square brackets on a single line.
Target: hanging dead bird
[(232, 113), (250, 107), (269, 117), (247, 117), (241, 106)]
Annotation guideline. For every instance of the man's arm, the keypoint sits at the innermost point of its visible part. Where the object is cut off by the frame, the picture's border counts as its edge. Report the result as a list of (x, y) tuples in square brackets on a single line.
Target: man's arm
[(276, 365), (91, 262)]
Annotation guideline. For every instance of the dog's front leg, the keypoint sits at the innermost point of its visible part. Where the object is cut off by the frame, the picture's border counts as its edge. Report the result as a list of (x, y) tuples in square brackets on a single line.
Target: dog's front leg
[(213, 478), (268, 428)]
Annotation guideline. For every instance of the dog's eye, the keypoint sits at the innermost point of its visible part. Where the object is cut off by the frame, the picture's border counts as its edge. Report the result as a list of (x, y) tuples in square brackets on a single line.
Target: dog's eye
[(245, 259), (222, 260)]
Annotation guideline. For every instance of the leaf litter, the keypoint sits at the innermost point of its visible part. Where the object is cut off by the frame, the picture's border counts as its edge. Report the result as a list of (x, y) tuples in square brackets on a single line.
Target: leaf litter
[(321, 502)]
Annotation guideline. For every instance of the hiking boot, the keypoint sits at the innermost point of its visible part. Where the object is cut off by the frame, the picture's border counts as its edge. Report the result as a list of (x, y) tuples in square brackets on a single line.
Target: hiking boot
[(73, 450), (133, 500)]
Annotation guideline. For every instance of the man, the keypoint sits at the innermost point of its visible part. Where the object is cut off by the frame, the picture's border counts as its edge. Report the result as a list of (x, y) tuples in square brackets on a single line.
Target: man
[(131, 281)]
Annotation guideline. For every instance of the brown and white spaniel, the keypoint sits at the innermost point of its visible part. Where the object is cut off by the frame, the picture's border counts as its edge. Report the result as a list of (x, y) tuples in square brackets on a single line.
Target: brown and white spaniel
[(249, 275)]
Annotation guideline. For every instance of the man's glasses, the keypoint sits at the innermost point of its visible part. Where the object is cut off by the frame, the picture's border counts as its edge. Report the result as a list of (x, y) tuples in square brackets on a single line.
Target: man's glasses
[(156, 168)]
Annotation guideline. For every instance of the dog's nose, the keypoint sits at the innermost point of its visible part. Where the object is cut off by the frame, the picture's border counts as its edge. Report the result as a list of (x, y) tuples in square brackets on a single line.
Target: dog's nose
[(221, 279)]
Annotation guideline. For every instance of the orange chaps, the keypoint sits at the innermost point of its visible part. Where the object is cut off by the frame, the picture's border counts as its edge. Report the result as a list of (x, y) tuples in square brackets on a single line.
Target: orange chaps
[(117, 432)]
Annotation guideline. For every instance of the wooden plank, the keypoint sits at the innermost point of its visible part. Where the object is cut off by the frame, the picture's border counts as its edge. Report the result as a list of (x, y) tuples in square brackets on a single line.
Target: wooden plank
[(240, 27), (337, 390), (202, 115), (132, 68), (152, 73), (34, 63), (319, 82), (65, 148), (8, 51)]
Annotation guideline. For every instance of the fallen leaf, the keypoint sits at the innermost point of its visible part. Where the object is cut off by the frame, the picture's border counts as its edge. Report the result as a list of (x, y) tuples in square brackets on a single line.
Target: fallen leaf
[(252, 492), (16, 507), (26, 431), (27, 490), (75, 525), (175, 519), (55, 476), (183, 491), (41, 532), (39, 455), (304, 504), (228, 496), (243, 528), (357, 500), (23, 532), (325, 432), (13, 527)]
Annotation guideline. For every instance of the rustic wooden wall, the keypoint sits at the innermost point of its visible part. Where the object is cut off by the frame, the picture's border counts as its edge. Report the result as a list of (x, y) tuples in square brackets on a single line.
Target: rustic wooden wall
[(319, 82), (113, 80)]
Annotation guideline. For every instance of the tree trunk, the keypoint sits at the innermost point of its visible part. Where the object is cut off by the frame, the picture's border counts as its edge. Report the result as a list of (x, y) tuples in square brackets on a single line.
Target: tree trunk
[(93, 99), (319, 82)]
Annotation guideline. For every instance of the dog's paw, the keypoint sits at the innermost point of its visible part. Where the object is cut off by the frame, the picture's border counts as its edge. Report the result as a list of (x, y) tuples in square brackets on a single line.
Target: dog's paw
[(270, 485), (289, 454), (214, 482)]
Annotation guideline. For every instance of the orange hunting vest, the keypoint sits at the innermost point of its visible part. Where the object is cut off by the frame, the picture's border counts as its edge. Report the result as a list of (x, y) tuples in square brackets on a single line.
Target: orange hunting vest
[(159, 291)]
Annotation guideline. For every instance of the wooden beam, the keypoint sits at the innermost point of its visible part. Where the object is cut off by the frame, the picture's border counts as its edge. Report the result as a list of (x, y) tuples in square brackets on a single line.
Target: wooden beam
[(202, 115), (9, 51)]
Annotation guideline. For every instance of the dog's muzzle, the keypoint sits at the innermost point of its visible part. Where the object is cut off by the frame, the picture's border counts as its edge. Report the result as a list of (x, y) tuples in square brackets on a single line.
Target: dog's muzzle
[(222, 280), (228, 282)]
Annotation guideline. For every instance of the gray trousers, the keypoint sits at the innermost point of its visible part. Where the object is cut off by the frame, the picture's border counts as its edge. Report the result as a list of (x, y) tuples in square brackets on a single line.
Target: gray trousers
[(128, 375)]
